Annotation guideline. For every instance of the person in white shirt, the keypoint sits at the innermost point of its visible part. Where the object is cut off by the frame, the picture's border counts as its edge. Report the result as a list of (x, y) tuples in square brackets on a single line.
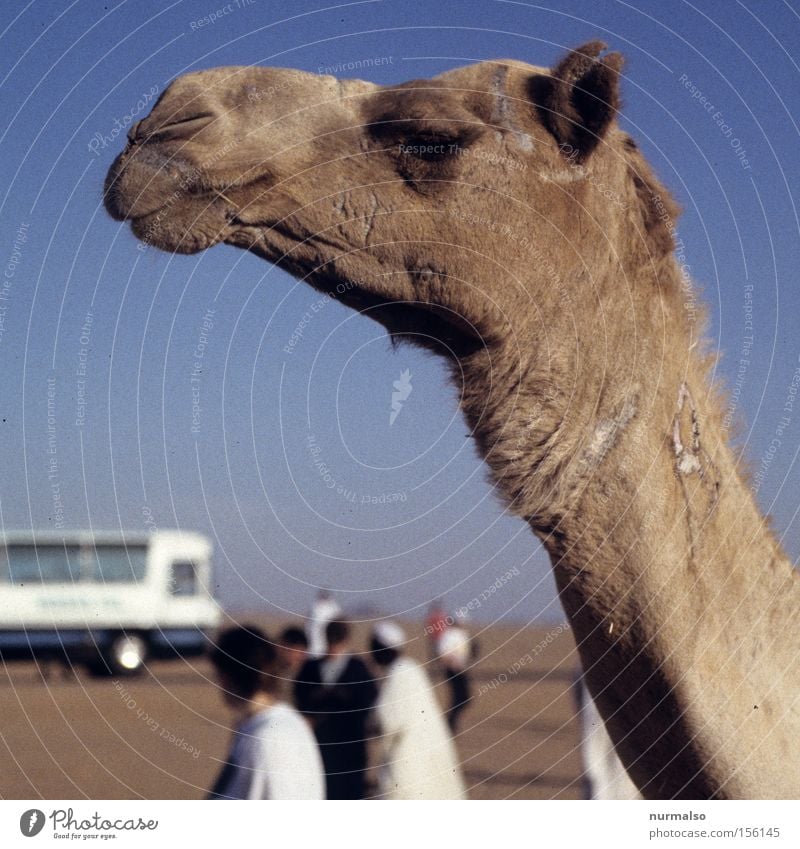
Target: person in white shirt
[(274, 754), (324, 610), (419, 756)]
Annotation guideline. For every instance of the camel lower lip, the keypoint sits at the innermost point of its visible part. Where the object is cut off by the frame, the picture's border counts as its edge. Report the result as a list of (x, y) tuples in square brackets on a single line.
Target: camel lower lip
[(123, 209)]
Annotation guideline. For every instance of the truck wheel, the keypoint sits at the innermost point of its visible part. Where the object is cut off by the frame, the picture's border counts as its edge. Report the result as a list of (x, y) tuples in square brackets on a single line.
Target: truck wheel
[(126, 654)]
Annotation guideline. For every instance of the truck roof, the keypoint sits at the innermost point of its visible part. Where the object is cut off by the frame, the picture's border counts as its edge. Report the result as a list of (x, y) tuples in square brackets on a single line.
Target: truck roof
[(82, 536)]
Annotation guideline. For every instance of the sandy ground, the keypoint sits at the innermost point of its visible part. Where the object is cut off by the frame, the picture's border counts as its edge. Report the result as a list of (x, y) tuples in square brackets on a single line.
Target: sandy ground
[(162, 735)]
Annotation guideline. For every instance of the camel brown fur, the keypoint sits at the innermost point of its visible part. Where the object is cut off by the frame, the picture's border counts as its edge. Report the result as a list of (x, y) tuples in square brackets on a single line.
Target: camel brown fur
[(498, 215)]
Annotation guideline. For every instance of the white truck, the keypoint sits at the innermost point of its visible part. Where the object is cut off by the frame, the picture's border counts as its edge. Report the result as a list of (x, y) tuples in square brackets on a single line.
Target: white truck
[(105, 599)]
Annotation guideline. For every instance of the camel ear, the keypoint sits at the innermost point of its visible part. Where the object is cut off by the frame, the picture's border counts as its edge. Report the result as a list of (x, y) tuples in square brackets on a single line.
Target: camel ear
[(578, 100)]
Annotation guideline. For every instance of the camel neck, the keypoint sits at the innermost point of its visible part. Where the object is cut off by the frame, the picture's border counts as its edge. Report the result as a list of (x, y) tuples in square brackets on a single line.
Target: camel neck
[(674, 584), (677, 591)]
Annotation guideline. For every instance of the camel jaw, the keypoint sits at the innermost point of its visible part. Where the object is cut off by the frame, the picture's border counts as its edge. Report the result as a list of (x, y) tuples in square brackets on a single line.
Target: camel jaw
[(422, 324)]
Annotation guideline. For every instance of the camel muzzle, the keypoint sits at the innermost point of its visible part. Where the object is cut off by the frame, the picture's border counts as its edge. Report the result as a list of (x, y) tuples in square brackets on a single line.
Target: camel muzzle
[(142, 180)]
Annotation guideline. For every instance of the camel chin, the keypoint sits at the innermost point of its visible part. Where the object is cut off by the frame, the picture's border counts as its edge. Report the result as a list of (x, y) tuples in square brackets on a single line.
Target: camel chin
[(173, 235)]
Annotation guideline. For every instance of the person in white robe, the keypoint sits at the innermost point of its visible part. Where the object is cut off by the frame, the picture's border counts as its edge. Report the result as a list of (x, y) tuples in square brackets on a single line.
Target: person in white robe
[(604, 776), (419, 758)]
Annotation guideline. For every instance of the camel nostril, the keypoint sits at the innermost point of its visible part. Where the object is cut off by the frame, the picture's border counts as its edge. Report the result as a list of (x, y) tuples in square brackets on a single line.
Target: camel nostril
[(134, 132)]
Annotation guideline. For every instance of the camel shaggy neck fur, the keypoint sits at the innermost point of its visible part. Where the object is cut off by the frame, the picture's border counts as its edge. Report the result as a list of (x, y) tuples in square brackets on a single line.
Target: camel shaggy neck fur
[(497, 215)]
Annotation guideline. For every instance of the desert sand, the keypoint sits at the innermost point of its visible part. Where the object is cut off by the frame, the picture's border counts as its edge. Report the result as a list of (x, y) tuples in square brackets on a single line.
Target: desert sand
[(66, 735)]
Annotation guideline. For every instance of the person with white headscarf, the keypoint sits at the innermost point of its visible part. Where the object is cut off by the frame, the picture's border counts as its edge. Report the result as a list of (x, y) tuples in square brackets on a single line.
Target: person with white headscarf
[(455, 654), (419, 757), (323, 611)]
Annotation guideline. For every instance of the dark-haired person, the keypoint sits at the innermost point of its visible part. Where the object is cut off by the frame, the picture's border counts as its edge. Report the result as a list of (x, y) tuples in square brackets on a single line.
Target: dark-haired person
[(274, 754), (292, 650), (336, 693), (419, 756)]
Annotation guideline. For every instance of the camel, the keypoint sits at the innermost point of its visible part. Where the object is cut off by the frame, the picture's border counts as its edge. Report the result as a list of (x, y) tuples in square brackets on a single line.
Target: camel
[(497, 214)]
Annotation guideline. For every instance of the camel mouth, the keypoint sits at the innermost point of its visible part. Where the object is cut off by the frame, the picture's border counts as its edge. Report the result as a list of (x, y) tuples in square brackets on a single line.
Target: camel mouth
[(166, 200), (120, 208), (144, 179)]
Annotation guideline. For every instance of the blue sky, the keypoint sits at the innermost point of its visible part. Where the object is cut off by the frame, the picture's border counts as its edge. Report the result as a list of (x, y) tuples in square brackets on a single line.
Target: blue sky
[(410, 515)]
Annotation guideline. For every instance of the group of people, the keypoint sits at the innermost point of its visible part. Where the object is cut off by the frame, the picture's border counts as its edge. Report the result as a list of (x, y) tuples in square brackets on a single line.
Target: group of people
[(306, 705)]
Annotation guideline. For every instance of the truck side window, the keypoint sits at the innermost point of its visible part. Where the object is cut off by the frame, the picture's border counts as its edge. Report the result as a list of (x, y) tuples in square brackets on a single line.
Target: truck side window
[(116, 564), (30, 564), (183, 580)]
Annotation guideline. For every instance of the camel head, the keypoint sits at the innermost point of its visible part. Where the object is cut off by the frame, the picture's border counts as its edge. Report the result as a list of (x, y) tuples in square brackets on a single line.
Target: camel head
[(457, 211)]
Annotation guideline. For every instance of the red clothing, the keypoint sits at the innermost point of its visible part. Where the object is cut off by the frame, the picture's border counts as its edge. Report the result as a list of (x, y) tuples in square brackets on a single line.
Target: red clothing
[(437, 623)]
